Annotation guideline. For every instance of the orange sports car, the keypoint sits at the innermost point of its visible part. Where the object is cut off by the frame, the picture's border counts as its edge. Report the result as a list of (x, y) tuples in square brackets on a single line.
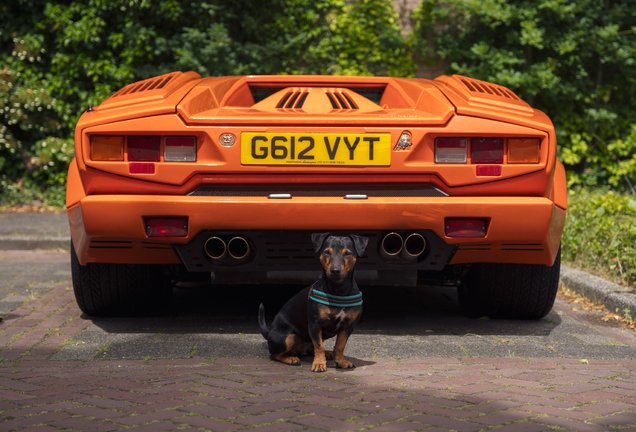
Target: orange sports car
[(179, 177)]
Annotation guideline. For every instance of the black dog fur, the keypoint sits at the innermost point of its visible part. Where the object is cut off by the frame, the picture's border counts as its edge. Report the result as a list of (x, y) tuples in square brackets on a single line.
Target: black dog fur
[(302, 325)]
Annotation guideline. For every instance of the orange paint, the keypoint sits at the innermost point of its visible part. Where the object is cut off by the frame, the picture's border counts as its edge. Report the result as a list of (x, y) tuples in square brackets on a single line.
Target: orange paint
[(106, 202)]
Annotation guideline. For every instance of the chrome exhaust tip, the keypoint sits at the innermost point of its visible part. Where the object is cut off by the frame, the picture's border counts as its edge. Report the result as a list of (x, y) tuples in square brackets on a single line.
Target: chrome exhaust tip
[(238, 248), (391, 245), (414, 246), (215, 248)]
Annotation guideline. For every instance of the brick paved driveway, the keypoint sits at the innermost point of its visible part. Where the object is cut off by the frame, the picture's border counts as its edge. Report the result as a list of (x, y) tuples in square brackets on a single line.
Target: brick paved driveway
[(421, 366)]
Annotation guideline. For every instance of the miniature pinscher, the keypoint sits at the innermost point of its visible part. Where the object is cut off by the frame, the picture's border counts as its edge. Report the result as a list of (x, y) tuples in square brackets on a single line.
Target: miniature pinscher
[(330, 307)]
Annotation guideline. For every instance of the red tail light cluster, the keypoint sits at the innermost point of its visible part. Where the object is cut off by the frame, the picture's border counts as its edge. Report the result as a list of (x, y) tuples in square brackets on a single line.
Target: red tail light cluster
[(466, 228), (143, 148), (138, 148), (167, 227), (487, 151)]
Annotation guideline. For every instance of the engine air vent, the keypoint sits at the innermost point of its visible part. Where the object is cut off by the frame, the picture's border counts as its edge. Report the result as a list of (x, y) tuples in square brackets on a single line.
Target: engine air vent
[(340, 100), (146, 85), (483, 87)]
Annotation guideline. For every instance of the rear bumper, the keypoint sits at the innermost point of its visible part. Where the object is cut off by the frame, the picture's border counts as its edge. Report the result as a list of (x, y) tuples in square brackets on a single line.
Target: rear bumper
[(111, 228)]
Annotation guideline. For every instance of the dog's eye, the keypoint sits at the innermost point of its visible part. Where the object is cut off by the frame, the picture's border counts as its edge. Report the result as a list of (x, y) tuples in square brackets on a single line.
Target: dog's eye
[(326, 253), (347, 254)]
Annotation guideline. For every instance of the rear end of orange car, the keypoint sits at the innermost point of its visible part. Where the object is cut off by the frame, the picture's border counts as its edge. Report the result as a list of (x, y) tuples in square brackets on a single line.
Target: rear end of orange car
[(228, 177)]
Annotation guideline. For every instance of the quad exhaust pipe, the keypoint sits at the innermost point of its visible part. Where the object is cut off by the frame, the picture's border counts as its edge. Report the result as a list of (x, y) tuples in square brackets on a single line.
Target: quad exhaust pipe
[(237, 248), (215, 248), (409, 249)]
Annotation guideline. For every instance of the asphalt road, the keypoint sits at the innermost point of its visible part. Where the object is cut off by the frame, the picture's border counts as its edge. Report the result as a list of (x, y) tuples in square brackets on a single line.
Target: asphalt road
[(220, 322)]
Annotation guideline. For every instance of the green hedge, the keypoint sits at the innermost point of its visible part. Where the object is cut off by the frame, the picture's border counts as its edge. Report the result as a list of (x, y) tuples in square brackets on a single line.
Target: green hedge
[(600, 234), (58, 56)]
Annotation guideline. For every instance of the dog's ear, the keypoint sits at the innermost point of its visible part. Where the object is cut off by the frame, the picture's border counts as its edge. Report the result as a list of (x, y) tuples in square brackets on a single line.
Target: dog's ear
[(318, 239), (360, 243)]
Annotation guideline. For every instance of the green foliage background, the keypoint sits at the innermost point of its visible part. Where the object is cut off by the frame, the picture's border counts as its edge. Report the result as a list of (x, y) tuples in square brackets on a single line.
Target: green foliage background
[(57, 57), (573, 59), (600, 234)]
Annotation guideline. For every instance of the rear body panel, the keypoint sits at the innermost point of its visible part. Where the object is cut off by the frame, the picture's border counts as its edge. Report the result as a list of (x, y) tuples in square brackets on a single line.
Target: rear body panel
[(250, 133)]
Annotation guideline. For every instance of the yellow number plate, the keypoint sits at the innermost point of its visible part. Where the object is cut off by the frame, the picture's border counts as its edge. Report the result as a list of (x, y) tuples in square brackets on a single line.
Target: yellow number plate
[(259, 148)]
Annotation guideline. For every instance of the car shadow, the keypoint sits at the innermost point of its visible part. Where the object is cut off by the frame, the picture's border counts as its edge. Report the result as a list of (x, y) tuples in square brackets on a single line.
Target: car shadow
[(423, 311)]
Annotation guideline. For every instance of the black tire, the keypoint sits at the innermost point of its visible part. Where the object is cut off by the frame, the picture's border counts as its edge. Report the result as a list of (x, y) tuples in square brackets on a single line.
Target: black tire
[(510, 291), (120, 289)]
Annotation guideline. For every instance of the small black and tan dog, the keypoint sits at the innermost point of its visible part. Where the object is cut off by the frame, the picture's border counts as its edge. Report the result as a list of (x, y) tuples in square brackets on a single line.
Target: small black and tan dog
[(330, 307)]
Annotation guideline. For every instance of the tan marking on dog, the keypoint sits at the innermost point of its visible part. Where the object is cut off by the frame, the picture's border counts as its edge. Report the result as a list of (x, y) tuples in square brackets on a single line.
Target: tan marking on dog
[(290, 344), (338, 351), (324, 312), (326, 260), (320, 362), (353, 314), (348, 261)]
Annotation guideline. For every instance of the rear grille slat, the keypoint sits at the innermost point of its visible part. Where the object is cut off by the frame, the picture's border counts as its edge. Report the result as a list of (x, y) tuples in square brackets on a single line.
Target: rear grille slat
[(320, 190)]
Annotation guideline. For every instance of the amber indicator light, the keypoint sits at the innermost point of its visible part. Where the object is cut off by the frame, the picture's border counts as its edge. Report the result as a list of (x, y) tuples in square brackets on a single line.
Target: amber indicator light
[(107, 148), (523, 150)]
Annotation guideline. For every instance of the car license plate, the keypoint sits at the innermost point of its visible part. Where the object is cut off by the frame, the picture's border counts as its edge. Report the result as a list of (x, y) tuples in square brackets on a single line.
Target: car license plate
[(361, 149)]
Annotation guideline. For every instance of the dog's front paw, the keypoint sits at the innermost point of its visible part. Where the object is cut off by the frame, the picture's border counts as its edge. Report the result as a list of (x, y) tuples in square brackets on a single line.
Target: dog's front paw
[(345, 364), (318, 366)]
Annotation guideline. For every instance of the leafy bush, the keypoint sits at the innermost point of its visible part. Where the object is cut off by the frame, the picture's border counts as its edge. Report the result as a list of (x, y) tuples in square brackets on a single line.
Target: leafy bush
[(600, 234), (57, 57), (573, 59)]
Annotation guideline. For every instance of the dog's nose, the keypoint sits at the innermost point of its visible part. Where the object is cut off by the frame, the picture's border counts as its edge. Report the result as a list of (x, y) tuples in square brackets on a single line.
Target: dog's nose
[(335, 271)]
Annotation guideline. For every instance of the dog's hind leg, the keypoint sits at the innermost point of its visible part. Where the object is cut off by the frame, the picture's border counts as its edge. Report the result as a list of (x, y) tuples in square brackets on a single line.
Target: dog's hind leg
[(286, 352)]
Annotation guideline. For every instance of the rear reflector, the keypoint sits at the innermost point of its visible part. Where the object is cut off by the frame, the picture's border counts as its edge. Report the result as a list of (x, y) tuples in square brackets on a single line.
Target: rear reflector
[(180, 149), (486, 150), (107, 148), (142, 168), (462, 227), (143, 148), (488, 170), (167, 227), (523, 150), (450, 150)]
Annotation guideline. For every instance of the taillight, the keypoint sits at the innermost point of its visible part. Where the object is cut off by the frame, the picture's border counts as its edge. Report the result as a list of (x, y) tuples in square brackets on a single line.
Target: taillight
[(486, 150), (464, 227), (488, 170), (180, 149), (523, 150), (107, 148), (450, 150), (143, 148), (167, 227), (141, 168)]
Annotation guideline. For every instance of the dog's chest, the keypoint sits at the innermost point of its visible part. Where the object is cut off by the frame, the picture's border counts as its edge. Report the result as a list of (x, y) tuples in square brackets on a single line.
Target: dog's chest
[(336, 319)]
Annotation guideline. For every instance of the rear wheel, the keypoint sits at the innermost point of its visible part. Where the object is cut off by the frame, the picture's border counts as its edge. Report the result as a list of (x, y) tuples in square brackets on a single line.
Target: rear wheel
[(119, 289), (510, 291)]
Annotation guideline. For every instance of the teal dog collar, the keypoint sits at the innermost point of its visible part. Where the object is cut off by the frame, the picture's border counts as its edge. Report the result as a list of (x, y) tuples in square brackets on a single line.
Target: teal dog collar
[(334, 300)]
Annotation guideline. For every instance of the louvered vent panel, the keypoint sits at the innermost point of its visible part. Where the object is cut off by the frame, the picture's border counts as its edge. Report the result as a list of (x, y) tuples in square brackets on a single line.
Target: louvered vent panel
[(146, 85), (483, 87), (340, 100), (293, 100)]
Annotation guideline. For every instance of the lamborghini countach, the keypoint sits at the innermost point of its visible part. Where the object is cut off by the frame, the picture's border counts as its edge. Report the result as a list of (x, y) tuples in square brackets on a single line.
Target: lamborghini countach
[(453, 180)]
